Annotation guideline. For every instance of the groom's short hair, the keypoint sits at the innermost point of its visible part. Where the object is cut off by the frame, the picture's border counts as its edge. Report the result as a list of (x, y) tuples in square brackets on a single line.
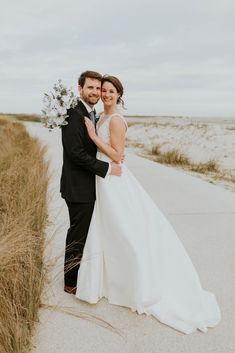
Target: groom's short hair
[(89, 74)]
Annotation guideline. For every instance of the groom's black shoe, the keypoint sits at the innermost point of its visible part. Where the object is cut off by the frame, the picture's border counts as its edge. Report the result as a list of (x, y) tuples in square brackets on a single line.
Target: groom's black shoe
[(70, 290)]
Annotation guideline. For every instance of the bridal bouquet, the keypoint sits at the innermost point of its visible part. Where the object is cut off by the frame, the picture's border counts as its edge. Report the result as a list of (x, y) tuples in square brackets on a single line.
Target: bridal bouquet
[(55, 106)]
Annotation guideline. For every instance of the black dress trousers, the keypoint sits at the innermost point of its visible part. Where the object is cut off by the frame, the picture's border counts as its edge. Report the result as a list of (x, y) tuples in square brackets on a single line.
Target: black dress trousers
[(80, 217)]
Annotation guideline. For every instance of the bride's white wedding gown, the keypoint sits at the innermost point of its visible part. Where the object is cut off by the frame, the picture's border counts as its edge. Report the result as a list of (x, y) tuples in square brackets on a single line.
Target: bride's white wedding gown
[(134, 258)]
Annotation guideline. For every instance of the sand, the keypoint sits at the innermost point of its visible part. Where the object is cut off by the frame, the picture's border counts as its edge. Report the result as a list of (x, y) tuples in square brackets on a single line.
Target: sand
[(199, 139)]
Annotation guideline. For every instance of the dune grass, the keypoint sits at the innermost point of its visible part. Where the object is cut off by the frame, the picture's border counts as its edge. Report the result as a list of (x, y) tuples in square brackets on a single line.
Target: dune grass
[(23, 218), (20, 117), (173, 157), (177, 158)]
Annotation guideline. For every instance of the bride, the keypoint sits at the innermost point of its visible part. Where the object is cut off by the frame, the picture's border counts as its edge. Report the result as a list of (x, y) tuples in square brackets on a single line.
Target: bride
[(132, 255)]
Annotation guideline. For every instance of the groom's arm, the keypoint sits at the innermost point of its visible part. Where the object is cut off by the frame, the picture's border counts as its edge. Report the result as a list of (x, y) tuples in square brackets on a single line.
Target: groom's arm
[(73, 143)]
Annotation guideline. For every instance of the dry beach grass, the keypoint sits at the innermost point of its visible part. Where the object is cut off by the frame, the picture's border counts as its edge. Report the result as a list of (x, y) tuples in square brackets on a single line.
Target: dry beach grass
[(20, 117), (176, 158), (23, 218)]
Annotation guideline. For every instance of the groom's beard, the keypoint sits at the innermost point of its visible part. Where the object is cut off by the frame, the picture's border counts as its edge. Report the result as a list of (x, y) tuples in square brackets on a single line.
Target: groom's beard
[(91, 100), (94, 100)]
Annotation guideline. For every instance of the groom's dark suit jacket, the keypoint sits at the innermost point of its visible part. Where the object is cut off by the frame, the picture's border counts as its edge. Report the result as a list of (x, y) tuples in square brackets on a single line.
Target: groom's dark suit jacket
[(79, 159)]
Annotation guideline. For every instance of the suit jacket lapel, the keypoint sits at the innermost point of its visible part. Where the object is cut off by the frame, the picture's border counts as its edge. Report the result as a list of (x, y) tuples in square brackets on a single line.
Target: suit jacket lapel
[(82, 108)]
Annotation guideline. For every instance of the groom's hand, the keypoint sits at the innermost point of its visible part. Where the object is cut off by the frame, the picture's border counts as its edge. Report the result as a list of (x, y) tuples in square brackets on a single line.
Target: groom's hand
[(116, 169)]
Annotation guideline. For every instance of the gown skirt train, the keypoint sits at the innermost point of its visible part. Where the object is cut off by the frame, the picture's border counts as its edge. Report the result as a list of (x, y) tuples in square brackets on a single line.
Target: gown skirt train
[(134, 258)]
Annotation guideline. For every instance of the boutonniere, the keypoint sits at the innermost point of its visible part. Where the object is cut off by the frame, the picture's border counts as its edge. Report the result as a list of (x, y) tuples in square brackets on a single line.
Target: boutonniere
[(96, 119)]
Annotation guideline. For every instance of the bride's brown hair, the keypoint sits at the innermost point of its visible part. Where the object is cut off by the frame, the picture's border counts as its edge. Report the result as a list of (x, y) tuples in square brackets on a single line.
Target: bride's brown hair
[(117, 84)]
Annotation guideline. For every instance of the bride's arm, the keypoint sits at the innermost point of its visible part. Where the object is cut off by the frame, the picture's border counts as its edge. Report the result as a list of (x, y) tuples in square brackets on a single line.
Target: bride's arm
[(117, 129)]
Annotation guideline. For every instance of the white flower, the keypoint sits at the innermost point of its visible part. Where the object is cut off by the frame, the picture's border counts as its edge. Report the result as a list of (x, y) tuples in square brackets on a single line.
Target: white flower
[(55, 106)]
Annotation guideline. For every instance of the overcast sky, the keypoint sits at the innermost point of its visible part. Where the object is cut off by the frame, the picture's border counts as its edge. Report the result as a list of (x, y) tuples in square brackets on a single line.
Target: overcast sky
[(174, 57)]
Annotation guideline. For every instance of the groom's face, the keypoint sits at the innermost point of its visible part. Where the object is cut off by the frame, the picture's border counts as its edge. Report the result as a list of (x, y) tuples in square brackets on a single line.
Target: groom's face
[(91, 91)]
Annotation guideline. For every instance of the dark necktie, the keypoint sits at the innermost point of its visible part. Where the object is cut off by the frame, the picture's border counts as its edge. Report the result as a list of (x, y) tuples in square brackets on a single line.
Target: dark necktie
[(92, 116)]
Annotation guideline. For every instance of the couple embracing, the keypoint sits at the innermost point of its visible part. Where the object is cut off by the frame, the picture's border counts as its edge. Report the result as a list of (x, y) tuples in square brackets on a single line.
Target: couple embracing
[(119, 244)]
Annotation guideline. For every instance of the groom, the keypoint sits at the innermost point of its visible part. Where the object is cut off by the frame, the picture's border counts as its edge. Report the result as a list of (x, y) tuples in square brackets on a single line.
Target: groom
[(78, 174)]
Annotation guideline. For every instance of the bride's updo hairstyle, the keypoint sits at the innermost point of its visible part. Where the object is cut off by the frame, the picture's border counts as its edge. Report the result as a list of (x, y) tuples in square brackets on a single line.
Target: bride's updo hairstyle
[(117, 84)]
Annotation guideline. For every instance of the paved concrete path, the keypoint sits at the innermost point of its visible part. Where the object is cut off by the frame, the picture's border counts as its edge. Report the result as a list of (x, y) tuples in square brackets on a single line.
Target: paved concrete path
[(204, 218)]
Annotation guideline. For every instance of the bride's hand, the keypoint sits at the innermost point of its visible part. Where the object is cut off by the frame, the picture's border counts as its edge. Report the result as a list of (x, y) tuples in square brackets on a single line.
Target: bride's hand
[(90, 128)]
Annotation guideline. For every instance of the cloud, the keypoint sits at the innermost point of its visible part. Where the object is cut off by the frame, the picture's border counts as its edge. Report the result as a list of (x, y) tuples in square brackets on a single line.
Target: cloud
[(174, 57)]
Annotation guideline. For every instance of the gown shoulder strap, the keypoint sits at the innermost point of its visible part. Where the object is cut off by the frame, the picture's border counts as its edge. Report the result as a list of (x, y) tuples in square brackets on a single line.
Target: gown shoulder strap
[(121, 116)]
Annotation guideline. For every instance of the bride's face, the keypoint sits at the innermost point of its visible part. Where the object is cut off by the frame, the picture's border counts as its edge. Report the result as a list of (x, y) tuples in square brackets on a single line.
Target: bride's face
[(109, 94)]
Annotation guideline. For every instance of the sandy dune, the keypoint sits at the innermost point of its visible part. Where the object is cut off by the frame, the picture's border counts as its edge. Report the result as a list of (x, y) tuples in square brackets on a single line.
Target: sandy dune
[(199, 139)]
